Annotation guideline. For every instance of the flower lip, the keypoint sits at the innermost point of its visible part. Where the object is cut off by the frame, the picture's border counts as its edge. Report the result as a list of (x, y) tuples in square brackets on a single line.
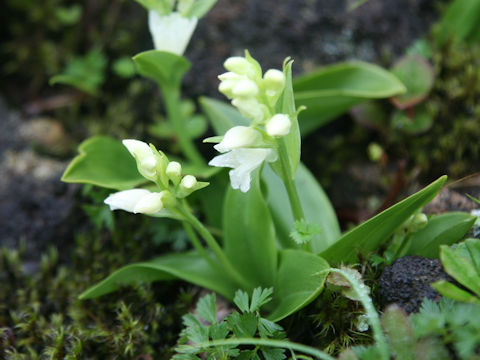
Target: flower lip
[(239, 137), (143, 154), (243, 161)]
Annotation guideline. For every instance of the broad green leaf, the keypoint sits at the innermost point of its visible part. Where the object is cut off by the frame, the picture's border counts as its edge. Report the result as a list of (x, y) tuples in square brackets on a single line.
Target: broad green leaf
[(222, 116), (460, 22), (315, 203), (453, 292), (460, 269), (332, 90), (445, 229), (189, 266), (298, 282), (249, 234), (470, 250), (370, 235), (292, 141), (165, 68), (199, 8), (417, 75), (104, 162)]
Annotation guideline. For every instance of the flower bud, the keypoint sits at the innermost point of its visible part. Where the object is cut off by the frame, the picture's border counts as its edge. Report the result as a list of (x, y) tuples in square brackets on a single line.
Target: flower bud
[(250, 108), (274, 80), (278, 125), (239, 65), (149, 204), (174, 172), (187, 185), (245, 88), (418, 222), (143, 154), (238, 137)]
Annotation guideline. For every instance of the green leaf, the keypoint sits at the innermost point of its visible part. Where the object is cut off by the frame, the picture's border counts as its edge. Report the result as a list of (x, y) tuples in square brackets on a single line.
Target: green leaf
[(207, 308), (85, 73), (260, 297), (249, 234), (419, 122), (370, 235), (298, 282), (104, 162), (241, 300), (451, 291), (222, 116), (417, 75), (470, 250), (332, 90), (445, 229), (316, 205), (460, 22), (461, 269), (399, 332), (165, 68), (292, 141), (304, 231), (189, 266), (199, 8)]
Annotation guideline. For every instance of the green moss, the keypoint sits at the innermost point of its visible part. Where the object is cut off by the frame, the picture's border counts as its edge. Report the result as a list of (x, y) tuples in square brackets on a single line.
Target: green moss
[(41, 317)]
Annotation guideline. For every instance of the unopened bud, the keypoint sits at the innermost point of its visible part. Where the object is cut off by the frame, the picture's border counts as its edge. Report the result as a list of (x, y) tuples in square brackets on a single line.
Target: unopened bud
[(274, 80), (143, 154), (419, 221), (187, 185), (245, 88), (239, 65), (174, 172), (278, 125)]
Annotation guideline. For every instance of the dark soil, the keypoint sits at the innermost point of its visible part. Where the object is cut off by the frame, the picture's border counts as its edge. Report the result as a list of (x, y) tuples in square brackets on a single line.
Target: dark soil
[(407, 282)]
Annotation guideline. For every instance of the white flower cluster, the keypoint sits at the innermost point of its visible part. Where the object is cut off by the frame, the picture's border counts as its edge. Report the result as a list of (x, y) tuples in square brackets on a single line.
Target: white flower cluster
[(154, 166), (246, 148)]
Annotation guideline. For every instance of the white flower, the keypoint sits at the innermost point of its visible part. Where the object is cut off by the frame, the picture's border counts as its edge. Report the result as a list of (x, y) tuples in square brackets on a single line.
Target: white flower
[(174, 172), (144, 155), (243, 161), (238, 137), (139, 201), (278, 125), (171, 32)]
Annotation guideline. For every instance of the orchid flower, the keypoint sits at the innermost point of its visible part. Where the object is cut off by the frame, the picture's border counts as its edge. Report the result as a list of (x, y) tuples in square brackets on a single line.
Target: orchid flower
[(171, 32)]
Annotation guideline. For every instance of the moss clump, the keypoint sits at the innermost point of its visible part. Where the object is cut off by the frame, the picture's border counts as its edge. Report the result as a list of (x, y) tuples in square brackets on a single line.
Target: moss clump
[(452, 142), (42, 318)]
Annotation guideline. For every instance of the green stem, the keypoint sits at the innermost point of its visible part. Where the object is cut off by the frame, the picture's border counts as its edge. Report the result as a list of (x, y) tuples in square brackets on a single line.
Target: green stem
[(171, 96), (289, 181), (213, 245), (267, 342), (198, 245), (372, 314)]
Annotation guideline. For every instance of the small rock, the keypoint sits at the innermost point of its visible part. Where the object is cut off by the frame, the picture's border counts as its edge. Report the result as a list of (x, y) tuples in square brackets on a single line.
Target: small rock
[(407, 282), (47, 134)]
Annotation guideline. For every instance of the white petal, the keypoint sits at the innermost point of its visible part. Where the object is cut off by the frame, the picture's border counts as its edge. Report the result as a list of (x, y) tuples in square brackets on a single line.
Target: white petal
[(243, 162), (238, 137), (126, 200), (171, 32), (149, 204)]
